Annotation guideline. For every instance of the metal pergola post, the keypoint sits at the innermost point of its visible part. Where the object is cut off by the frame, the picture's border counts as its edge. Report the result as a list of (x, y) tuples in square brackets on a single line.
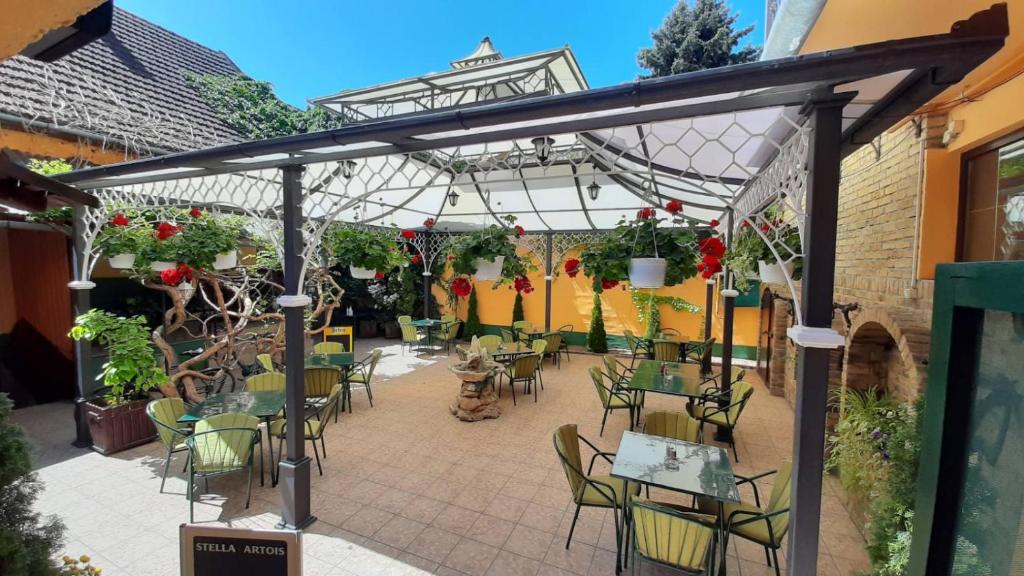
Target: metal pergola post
[(427, 275), (548, 276), (709, 306), (82, 347), (294, 471), (815, 338)]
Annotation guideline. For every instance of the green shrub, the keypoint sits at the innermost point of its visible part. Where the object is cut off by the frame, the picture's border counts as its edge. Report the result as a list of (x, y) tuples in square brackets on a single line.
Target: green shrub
[(472, 327), (597, 339)]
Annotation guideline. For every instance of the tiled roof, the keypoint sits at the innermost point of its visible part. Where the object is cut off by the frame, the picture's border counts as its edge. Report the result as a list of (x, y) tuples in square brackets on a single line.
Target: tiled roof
[(127, 87)]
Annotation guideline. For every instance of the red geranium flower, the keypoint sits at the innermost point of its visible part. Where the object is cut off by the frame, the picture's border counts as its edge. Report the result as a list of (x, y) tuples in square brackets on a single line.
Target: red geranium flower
[(766, 228), (119, 219), (408, 234), (462, 287), (572, 267), (416, 259), (712, 246), (165, 230), (645, 214), (523, 285), (185, 271), (745, 224), (674, 207), (607, 284), (171, 277), (378, 276), (519, 230), (709, 266), (428, 223), (715, 223), (195, 212), (451, 257)]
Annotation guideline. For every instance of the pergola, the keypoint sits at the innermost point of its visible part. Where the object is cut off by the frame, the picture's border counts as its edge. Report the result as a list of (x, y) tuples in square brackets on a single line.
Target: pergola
[(727, 142)]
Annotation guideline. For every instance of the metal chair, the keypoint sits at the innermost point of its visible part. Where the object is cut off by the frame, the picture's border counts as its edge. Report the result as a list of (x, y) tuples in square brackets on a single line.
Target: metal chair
[(490, 342), (521, 326), (267, 362), (675, 425), (220, 445), (707, 410), (565, 330), (361, 373), (611, 399), (318, 381), (328, 348), (462, 352), (636, 346), (539, 347), (507, 336), (522, 369), (410, 336), (449, 332), (672, 538), (666, 351), (314, 426), (554, 340), (671, 332), (165, 413), (266, 382)]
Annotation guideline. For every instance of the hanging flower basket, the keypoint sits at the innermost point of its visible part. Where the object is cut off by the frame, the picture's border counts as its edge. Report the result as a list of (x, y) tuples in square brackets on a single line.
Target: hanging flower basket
[(487, 270), (362, 273), (122, 261), (365, 252), (226, 260), (774, 273), (647, 272)]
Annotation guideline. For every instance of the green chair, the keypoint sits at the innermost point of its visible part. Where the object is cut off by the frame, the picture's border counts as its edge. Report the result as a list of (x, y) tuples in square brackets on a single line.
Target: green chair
[(620, 374), (318, 381), (491, 342), (707, 410), (448, 318), (666, 351), (539, 347), (554, 348), (361, 373), (449, 333), (522, 369), (766, 525), (610, 399), (587, 488), (507, 336), (670, 332), (565, 330), (462, 352), (636, 346), (266, 362), (521, 326), (266, 382), (315, 423), (404, 319), (165, 413), (675, 425), (669, 537), (701, 353), (328, 348), (410, 336), (222, 444)]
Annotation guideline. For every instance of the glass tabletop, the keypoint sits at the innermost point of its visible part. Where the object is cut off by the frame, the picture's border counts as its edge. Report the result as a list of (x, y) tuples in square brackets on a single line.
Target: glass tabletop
[(668, 338), (259, 404), (678, 379), (513, 349), (330, 360), (426, 322), (698, 469)]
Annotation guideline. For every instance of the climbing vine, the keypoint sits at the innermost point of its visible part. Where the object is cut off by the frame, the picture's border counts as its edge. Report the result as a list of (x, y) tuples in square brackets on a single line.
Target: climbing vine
[(647, 307)]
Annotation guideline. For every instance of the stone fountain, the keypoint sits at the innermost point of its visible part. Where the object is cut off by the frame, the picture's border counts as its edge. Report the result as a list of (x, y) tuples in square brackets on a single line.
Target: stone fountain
[(477, 399)]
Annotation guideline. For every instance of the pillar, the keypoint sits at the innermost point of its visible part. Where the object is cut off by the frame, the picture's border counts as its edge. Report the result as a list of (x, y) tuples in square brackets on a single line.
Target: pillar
[(709, 306), (548, 272), (80, 287), (729, 308)]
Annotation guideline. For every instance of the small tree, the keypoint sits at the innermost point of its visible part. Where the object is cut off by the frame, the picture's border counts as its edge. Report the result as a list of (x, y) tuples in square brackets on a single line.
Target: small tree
[(27, 542), (597, 339), (517, 309), (695, 38), (473, 327)]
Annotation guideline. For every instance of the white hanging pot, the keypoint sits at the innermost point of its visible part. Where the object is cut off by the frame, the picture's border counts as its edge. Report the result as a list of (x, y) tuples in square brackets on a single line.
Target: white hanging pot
[(647, 272), (122, 261), (161, 265), (486, 270), (774, 273), (226, 260), (362, 273)]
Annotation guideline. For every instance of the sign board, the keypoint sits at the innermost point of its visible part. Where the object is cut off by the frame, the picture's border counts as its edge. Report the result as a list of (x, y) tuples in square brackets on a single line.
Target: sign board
[(342, 334), (217, 551)]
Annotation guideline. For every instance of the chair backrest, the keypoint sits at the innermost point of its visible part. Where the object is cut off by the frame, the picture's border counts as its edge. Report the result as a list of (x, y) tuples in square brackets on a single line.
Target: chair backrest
[(522, 325), (779, 500), (448, 318), (565, 329), (451, 330), (677, 425), (318, 381), (666, 351), (165, 413), (671, 537), (409, 333), (374, 358), (507, 336), (223, 442), (329, 348), (404, 319), (539, 346), (462, 352), (266, 382), (709, 348), (598, 378), (525, 365), (567, 447), (266, 361), (739, 396), (613, 368), (631, 340), (554, 340), (670, 332), (491, 342), (740, 376), (324, 411)]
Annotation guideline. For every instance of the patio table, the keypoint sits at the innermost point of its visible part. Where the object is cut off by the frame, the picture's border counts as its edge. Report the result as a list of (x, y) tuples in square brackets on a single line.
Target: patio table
[(684, 344), (506, 351), (428, 324), (678, 379), (342, 361), (264, 405), (530, 334), (699, 470)]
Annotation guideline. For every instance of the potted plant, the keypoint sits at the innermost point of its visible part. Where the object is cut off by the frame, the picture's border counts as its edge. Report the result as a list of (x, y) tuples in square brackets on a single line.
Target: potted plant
[(117, 420), (210, 241), (160, 249), (367, 254), (750, 257), (488, 254), (642, 253), (119, 241)]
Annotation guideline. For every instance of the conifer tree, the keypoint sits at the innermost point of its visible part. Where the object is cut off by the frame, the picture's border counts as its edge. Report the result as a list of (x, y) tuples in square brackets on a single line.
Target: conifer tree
[(597, 339), (517, 309), (472, 327), (697, 36)]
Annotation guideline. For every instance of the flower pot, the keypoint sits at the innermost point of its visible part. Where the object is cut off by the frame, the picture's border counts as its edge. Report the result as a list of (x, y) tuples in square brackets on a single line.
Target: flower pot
[(392, 330), (367, 328), (486, 270), (117, 428), (122, 261), (161, 265), (774, 273), (647, 272), (362, 273), (226, 260)]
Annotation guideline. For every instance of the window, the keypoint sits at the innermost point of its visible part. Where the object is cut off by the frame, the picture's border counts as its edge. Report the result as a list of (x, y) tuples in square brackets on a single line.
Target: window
[(993, 213)]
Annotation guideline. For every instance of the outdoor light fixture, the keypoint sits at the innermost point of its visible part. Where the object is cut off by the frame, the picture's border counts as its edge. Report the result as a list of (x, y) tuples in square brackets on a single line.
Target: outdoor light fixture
[(453, 197), (593, 189), (542, 147), (348, 168)]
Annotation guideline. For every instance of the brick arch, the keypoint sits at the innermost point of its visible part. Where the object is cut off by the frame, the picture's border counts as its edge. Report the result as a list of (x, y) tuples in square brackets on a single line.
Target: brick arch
[(907, 335)]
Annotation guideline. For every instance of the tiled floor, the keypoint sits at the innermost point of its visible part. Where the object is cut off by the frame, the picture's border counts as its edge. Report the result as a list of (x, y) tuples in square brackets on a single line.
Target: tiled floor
[(407, 488)]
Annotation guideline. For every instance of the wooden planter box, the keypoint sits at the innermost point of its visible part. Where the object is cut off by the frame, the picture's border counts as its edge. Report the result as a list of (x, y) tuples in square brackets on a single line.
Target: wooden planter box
[(117, 428), (392, 330), (366, 328)]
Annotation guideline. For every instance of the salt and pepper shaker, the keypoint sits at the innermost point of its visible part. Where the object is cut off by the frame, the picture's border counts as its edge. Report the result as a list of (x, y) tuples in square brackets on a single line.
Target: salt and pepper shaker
[(671, 462)]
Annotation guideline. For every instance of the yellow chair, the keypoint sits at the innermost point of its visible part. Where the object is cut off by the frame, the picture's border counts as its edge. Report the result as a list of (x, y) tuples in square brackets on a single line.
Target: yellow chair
[(404, 319), (266, 382), (266, 362), (521, 325), (319, 381), (707, 410), (361, 373), (675, 425), (673, 538), (538, 347), (666, 351), (587, 488), (449, 332), (554, 348), (314, 426), (329, 348), (522, 369), (507, 336), (611, 399), (222, 444), (491, 342), (636, 346), (410, 336), (165, 413), (462, 352)]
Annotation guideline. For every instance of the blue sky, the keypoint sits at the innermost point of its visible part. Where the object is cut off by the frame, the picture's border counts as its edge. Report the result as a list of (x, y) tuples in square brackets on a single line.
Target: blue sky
[(307, 48)]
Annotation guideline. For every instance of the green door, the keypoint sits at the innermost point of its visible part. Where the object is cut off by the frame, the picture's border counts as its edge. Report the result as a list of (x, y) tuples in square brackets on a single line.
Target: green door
[(969, 517)]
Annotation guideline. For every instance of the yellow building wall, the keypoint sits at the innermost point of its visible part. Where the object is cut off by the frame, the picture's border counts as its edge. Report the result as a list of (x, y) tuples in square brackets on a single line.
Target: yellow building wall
[(572, 302), (25, 21)]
